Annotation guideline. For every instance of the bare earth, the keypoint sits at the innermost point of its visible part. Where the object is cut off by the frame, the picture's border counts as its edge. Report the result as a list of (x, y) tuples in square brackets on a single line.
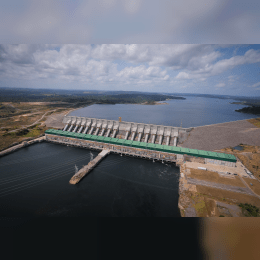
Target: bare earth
[(223, 135), (55, 120)]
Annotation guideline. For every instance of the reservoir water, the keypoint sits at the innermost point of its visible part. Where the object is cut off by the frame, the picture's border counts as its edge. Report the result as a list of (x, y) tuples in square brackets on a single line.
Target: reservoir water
[(193, 111), (34, 181)]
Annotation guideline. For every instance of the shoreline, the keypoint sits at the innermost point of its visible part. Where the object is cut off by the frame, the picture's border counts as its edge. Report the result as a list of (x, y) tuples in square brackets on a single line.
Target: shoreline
[(225, 122)]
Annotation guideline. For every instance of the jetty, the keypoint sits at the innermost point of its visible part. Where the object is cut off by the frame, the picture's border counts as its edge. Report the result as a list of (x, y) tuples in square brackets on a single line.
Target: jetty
[(87, 168)]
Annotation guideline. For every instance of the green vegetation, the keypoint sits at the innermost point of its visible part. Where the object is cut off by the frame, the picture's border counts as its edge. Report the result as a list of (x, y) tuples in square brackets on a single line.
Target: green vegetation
[(221, 216), (249, 210), (250, 110), (79, 98), (200, 206)]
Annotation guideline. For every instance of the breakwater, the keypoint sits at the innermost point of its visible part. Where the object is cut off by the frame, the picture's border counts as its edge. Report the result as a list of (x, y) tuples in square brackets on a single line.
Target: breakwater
[(23, 144)]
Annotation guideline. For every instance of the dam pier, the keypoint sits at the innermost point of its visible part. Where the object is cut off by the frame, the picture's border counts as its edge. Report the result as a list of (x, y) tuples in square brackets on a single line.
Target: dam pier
[(86, 169)]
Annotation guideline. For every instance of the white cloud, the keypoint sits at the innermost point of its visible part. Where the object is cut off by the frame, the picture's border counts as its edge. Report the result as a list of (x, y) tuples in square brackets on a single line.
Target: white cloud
[(231, 78), (255, 85), (251, 56), (174, 67), (141, 72), (220, 85)]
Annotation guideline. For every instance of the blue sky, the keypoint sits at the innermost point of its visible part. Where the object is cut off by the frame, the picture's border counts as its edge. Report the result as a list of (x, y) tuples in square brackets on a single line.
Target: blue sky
[(185, 68), (202, 46)]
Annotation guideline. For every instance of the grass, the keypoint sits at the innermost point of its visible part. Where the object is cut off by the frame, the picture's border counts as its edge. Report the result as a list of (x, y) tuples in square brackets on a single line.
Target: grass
[(205, 206), (255, 121), (228, 196), (256, 185), (214, 177), (249, 210), (200, 207), (34, 133), (249, 156)]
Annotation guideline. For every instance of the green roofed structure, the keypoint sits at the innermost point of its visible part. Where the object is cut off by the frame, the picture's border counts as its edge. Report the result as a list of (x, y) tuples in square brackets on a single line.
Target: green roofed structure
[(148, 146)]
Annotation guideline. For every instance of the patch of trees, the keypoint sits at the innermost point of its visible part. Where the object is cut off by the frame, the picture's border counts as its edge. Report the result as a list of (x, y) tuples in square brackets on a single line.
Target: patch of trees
[(80, 97), (250, 110), (249, 210)]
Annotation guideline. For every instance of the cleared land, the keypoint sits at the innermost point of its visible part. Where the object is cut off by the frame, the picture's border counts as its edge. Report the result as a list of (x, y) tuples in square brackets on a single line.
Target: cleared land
[(223, 135), (20, 121), (214, 177), (228, 196), (210, 194), (249, 156), (256, 185)]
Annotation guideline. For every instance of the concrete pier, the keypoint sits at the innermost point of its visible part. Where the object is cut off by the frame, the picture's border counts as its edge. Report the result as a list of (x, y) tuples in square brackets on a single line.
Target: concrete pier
[(175, 141), (126, 135), (80, 129), (70, 128), (160, 140), (102, 132), (65, 128), (114, 133), (75, 129), (167, 140), (146, 138), (96, 132), (91, 130), (85, 131), (87, 168), (108, 132)]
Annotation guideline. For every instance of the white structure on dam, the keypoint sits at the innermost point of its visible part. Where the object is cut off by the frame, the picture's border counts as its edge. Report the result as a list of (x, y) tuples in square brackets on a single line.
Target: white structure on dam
[(141, 132)]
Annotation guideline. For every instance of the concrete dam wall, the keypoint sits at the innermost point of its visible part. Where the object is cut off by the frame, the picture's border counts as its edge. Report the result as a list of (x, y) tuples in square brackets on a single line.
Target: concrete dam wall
[(148, 133)]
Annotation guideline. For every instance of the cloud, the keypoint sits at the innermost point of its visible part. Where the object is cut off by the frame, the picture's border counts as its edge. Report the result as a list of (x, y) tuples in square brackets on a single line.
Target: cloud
[(209, 70), (134, 21), (231, 78), (255, 85), (125, 66), (220, 85), (82, 63), (141, 72)]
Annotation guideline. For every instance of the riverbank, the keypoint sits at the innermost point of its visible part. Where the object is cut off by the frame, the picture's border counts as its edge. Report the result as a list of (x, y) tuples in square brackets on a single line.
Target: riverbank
[(153, 103), (21, 145)]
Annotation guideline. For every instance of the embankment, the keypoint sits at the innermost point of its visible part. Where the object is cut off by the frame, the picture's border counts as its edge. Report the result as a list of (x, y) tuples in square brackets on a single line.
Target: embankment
[(23, 144)]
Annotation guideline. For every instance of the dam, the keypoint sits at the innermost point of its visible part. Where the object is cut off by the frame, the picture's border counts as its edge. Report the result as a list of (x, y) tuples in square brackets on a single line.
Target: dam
[(147, 141), (148, 133)]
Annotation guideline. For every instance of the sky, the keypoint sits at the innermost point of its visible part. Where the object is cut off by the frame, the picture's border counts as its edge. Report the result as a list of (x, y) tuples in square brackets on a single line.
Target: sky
[(171, 68), (202, 46)]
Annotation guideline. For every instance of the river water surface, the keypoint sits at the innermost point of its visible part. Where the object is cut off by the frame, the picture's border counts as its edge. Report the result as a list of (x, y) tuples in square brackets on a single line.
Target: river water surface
[(35, 182), (194, 111)]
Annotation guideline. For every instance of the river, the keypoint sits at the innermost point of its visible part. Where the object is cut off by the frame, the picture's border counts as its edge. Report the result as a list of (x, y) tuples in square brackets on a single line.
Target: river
[(34, 181), (191, 112)]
